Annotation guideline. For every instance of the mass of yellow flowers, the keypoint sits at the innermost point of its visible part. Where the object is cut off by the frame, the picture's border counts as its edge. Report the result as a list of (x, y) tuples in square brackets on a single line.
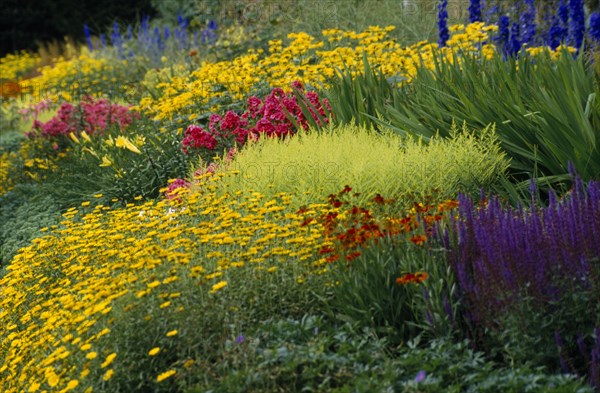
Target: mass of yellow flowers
[(59, 293), (310, 61), (14, 65)]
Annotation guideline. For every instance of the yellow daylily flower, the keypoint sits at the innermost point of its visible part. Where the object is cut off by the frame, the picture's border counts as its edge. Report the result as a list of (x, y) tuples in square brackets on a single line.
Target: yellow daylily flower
[(106, 161)]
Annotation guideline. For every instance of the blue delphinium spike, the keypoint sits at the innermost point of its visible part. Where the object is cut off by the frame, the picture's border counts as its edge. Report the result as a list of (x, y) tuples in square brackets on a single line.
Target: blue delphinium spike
[(514, 44), (528, 23), (182, 22), (595, 27), (475, 11), (556, 33), (88, 37), (577, 23), (490, 14), (145, 24), (443, 32), (503, 37), (103, 40)]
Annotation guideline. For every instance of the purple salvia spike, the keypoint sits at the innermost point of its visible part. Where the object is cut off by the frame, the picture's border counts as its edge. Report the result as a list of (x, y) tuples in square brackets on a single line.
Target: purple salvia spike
[(581, 346), (448, 309), (560, 344), (429, 317), (595, 363)]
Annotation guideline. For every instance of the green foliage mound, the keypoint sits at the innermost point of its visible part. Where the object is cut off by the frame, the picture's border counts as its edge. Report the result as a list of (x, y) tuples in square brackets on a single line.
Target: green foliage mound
[(317, 164)]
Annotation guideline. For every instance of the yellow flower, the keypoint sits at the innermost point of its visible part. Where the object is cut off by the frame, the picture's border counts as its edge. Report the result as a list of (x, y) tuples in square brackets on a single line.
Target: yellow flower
[(109, 360), (106, 161), (172, 333), (217, 286), (108, 374), (73, 137), (189, 363), (154, 351), (91, 355), (125, 143), (52, 378), (71, 385), (165, 375), (86, 136)]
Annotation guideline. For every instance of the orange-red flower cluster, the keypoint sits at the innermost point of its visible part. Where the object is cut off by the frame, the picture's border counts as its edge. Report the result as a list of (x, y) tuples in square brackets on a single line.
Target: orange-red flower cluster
[(349, 227), (415, 278)]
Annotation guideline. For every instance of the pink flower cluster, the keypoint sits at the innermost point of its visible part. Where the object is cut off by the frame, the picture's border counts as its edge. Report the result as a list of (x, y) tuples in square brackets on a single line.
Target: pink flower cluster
[(210, 169), (90, 115), (178, 183), (33, 111), (276, 116)]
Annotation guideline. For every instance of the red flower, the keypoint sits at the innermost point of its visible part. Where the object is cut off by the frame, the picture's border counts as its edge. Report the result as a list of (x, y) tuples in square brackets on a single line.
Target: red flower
[(415, 278), (332, 258), (418, 239), (353, 255), (379, 199), (326, 250)]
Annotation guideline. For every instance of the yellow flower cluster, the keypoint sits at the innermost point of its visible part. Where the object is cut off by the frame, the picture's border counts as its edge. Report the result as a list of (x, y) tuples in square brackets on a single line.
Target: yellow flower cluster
[(304, 59), (13, 66), (311, 61), (7, 160), (58, 295), (65, 77)]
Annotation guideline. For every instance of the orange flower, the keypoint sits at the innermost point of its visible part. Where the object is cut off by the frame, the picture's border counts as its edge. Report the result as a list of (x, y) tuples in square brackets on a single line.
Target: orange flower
[(352, 256), (418, 239), (415, 278), (405, 279), (420, 277)]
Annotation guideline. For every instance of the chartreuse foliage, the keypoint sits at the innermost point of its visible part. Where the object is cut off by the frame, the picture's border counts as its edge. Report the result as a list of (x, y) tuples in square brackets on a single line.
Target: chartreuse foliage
[(319, 164)]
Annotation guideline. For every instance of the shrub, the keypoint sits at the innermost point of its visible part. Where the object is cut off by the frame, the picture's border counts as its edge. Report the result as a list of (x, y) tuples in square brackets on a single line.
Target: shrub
[(320, 164), (24, 211)]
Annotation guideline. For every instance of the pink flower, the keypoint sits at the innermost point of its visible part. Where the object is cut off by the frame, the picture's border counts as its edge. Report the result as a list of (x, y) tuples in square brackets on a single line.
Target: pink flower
[(230, 122), (254, 106), (90, 115), (197, 138), (177, 184)]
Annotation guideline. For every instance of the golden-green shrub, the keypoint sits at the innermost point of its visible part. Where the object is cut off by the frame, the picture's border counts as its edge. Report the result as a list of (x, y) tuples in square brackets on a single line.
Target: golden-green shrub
[(317, 164)]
